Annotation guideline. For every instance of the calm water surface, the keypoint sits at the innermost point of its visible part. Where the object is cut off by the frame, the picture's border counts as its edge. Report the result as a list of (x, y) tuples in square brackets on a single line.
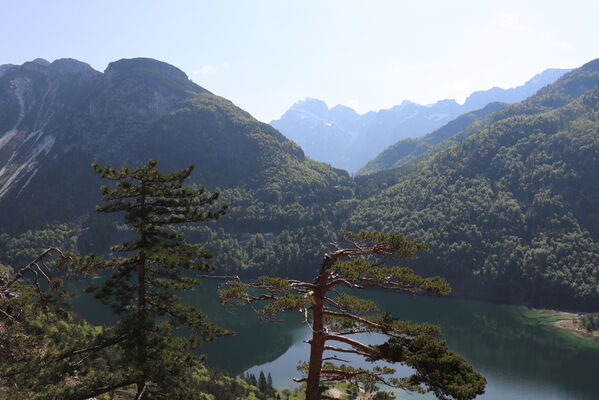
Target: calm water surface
[(521, 357)]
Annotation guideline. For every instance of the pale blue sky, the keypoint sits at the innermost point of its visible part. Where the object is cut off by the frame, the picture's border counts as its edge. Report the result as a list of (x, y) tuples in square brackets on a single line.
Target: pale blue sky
[(265, 55)]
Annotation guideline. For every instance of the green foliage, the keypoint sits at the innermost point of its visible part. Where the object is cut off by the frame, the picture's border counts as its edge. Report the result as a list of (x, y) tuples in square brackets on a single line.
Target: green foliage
[(358, 269), (395, 243), (21, 249), (217, 385), (335, 319), (234, 294), (274, 283), (4, 273), (155, 264), (354, 305), (44, 348), (509, 212), (287, 302), (440, 371), (590, 322), (383, 396)]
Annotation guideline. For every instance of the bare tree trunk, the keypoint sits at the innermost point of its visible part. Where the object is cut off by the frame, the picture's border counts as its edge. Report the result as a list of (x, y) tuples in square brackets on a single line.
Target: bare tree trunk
[(141, 304), (318, 333)]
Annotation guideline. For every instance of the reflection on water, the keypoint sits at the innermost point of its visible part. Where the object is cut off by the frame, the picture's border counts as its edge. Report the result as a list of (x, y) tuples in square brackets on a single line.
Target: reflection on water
[(520, 358)]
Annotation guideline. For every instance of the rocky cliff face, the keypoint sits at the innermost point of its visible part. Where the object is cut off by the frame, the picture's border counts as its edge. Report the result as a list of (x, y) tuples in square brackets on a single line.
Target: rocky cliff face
[(57, 118), (36, 99)]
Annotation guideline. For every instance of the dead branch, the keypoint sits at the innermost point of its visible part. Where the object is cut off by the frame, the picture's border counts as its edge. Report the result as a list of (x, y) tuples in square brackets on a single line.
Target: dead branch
[(35, 268)]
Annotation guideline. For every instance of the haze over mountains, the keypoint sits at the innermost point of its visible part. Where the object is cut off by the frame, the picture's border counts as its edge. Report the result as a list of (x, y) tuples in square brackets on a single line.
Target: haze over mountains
[(506, 196), (347, 140)]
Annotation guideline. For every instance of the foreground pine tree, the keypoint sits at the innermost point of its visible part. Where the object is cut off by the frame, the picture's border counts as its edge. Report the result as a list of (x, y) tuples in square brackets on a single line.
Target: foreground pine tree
[(359, 264), (143, 280)]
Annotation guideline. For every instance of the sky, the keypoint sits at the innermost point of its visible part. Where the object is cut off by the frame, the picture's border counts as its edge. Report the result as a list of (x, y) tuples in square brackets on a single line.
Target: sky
[(266, 55)]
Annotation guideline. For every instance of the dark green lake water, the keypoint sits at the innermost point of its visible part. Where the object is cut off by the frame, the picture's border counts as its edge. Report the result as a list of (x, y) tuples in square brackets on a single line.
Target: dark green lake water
[(522, 357)]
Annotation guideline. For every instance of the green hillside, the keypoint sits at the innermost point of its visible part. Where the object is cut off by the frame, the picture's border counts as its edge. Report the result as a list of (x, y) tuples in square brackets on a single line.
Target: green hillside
[(564, 90), (136, 110), (509, 212), (506, 199), (411, 149)]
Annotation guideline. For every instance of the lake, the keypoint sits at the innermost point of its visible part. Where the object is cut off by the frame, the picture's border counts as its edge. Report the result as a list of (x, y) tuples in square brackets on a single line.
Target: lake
[(522, 356)]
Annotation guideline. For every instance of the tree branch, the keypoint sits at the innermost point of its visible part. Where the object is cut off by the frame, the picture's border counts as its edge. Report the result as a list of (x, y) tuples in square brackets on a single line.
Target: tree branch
[(344, 350), (35, 263), (341, 375), (358, 345), (383, 328)]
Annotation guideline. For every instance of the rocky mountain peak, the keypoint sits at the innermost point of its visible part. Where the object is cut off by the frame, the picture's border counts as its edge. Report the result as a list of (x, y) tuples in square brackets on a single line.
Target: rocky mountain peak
[(315, 106), (360, 137), (41, 61), (72, 65), (38, 65), (341, 111), (136, 65)]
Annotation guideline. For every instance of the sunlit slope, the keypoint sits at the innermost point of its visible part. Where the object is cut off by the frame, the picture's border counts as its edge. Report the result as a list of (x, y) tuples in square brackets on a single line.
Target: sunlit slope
[(510, 212), (558, 93)]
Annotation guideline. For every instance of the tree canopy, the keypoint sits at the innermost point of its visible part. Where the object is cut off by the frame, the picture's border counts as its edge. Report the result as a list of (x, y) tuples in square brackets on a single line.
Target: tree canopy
[(143, 283), (334, 316)]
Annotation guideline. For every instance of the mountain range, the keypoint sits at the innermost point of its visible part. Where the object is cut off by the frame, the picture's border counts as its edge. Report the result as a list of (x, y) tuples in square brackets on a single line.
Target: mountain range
[(345, 139), (505, 195)]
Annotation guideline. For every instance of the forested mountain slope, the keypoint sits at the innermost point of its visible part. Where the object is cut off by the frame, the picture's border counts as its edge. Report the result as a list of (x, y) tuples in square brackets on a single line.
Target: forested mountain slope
[(563, 90), (510, 211), (56, 119), (408, 150), (508, 205)]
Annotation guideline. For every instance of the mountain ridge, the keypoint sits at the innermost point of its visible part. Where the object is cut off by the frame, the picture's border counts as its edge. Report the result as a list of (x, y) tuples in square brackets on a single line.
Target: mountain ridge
[(350, 143), (508, 206), (53, 114)]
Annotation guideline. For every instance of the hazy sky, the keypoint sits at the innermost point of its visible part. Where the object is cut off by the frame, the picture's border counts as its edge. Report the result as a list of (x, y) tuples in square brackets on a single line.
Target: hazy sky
[(266, 55)]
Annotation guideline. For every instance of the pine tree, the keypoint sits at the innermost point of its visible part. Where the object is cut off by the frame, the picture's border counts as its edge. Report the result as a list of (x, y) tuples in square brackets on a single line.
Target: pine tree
[(262, 385), (252, 380), (152, 267), (360, 263), (271, 389), (44, 348)]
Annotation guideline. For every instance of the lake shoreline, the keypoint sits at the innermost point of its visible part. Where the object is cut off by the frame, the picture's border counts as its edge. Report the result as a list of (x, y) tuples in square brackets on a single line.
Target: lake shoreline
[(570, 324), (562, 320)]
